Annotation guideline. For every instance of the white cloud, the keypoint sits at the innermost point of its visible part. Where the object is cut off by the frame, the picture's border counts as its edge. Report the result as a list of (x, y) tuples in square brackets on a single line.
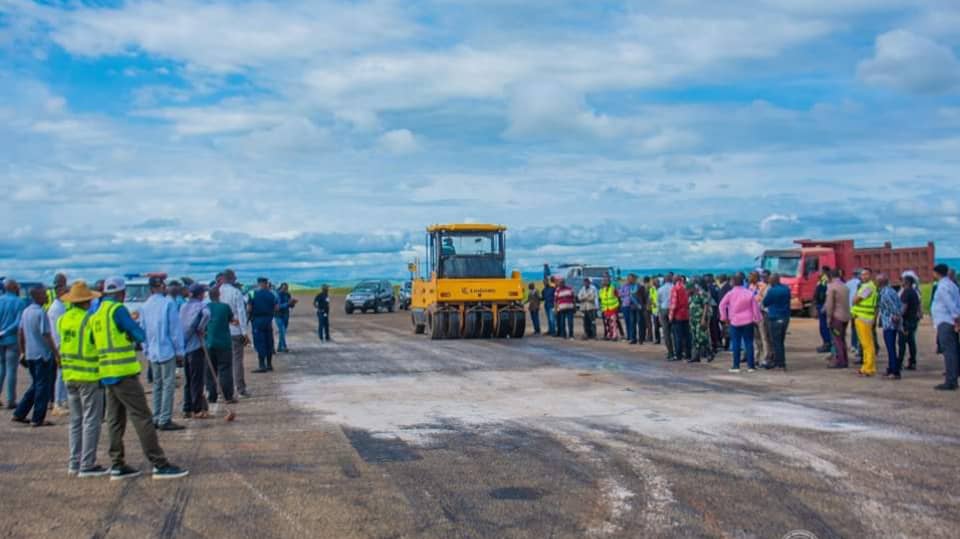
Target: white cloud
[(213, 120), (909, 63), (225, 36), (399, 141)]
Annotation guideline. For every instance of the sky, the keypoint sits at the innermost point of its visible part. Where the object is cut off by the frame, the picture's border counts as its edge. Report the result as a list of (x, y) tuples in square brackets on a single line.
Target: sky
[(317, 138)]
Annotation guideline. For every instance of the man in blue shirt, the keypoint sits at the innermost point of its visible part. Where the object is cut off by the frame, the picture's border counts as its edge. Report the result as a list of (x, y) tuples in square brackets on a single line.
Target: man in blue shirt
[(10, 308), (263, 307), (164, 347), (663, 298), (40, 352), (777, 303), (946, 319)]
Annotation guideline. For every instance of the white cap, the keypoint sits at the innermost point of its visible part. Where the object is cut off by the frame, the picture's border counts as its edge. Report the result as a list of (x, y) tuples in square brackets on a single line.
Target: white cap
[(910, 273), (114, 285)]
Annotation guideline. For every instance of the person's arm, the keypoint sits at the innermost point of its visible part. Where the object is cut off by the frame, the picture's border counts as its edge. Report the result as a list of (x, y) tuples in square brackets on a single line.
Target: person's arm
[(48, 338), (316, 302), (14, 324), (724, 308), (175, 330), (22, 343), (121, 317), (829, 305)]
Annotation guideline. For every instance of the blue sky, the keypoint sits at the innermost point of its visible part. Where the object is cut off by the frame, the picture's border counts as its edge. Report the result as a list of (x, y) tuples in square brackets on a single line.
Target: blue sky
[(318, 138)]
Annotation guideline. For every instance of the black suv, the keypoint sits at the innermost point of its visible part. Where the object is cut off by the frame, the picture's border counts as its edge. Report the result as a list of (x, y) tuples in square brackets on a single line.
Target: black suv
[(371, 296)]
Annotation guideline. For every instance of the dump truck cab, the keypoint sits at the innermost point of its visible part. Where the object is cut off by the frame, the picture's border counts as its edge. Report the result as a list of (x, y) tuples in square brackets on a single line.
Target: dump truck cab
[(462, 288), (799, 271)]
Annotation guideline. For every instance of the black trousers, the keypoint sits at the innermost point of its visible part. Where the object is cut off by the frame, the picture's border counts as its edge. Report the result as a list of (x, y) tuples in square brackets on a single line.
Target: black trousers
[(195, 369), (222, 360), (681, 338), (590, 324)]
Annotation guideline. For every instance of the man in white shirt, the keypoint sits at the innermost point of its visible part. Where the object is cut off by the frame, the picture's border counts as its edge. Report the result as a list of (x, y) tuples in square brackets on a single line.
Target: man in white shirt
[(54, 312), (231, 295)]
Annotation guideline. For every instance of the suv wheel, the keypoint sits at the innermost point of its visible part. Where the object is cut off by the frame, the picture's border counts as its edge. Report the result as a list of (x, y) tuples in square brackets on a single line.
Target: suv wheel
[(349, 308)]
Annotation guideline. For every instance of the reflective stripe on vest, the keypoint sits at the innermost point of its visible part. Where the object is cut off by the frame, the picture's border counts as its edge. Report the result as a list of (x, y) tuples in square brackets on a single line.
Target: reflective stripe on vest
[(867, 307), (608, 298), (118, 357), (79, 359)]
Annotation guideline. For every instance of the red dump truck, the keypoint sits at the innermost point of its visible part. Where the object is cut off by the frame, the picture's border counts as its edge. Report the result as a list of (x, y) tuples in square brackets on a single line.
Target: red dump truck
[(800, 268)]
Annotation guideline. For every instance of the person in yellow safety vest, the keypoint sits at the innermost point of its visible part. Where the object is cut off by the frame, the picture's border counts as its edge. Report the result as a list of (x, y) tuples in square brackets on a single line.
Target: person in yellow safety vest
[(655, 309), (610, 306), (115, 336), (59, 286), (864, 313), (80, 365)]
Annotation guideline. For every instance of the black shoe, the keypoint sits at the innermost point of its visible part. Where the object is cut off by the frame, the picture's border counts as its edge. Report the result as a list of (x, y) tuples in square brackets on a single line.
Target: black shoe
[(912, 367), (23, 420), (258, 371), (93, 471), (693, 361), (118, 473), (946, 387), (633, 342), (171, 426), (169, 472), (823, 349)]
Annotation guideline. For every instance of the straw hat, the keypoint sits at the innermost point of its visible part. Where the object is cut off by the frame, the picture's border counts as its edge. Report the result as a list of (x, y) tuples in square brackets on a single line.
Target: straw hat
[(79, 293)]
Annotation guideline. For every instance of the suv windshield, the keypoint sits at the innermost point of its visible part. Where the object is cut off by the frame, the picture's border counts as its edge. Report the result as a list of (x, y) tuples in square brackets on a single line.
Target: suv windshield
[(784, 265), (366, 287), (596, 273), (137, 293)]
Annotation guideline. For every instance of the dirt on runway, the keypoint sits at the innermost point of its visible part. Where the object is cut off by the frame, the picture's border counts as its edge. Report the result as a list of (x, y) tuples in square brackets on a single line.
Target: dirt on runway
[(382, 433)]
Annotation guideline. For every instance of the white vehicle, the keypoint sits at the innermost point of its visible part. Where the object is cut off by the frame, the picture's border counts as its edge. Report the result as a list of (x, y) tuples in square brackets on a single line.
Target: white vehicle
[(138, 290)]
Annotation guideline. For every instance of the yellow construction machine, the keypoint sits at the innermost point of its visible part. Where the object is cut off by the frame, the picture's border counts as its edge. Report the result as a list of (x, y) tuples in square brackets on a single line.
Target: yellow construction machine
[(462, 290)]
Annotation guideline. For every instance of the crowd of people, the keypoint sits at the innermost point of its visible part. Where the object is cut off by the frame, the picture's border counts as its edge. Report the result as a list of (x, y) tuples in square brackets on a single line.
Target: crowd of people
[(85, 340), (749, 314)]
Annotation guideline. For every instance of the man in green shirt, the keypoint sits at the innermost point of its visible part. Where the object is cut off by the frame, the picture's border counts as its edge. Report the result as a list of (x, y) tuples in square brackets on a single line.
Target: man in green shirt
[(219, 346)]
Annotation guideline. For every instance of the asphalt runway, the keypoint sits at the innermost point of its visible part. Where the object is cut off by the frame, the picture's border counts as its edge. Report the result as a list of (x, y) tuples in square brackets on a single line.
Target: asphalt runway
[(383, 434)]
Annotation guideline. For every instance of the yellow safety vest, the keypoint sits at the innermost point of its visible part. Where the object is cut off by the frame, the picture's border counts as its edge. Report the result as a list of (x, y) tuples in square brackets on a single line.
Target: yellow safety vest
[(654, 300), (608, 298), (51, 295), (118, 357), (79, 359), (867, 308)]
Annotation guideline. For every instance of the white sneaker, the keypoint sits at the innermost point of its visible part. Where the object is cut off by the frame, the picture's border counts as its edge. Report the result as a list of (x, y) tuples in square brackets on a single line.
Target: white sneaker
[(734, 371), (751, 370)]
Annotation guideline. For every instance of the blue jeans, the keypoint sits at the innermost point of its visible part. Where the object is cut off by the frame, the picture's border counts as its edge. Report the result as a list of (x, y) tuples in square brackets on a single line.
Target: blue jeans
[(535, 320), (741, 339), (164, 390), (41, 390), (263, 340), (628, 319), (282, 323), (323, 325), (565, 323), (60, 391), (8, 371), (551, 319), (893, 357), (825, 334)]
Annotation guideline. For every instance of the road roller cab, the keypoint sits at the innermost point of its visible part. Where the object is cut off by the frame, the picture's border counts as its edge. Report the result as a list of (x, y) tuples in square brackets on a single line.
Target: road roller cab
[(462, 289)]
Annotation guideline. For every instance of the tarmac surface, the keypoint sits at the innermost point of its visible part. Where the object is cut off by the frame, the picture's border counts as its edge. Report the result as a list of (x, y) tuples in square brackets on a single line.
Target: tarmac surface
[(385, 434)]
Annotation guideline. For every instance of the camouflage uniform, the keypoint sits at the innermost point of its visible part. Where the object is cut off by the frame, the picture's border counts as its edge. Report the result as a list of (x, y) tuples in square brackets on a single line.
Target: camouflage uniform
[(700, 304)]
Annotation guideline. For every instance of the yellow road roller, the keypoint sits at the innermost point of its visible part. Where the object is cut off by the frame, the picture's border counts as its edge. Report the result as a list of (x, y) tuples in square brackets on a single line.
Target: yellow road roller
[(462, 289)]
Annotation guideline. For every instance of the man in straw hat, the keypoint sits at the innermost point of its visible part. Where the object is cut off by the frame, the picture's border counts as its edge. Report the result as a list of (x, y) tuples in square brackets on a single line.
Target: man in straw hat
[(80, 365), (115, 335)]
